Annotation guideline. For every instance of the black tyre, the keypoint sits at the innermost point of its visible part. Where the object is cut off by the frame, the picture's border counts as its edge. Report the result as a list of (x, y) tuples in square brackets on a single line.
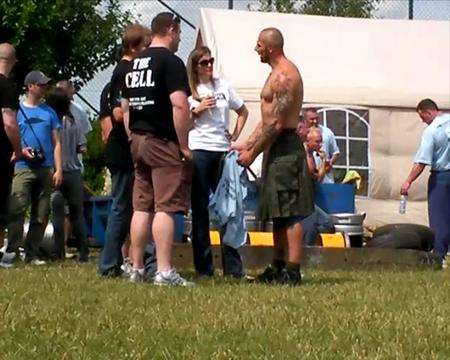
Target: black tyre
[(403, 236)]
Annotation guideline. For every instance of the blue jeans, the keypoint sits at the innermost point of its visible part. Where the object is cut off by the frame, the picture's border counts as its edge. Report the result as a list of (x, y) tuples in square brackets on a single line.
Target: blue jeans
[(119, 220), (318, 222), (439, 210), (205, 179), (118, 226)]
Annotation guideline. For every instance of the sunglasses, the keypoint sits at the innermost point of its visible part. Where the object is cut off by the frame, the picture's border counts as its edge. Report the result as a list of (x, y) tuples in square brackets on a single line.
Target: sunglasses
[(176, 19), (206, 62)]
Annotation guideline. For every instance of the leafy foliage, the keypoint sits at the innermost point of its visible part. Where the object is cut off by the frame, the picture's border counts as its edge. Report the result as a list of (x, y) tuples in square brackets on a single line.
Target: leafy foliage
[(66, 39), (282, 6), (344, 8), (63, 38)]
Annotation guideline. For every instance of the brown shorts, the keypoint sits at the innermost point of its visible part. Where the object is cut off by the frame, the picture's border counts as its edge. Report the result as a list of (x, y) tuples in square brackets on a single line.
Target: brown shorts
[(162, 180)]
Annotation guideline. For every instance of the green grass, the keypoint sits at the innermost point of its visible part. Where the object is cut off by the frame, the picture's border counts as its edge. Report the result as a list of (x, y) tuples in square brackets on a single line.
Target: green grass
[(67, 312)]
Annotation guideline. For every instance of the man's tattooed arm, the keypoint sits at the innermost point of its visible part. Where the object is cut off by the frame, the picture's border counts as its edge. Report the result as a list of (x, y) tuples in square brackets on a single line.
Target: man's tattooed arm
[(274, 114), (251, 141)]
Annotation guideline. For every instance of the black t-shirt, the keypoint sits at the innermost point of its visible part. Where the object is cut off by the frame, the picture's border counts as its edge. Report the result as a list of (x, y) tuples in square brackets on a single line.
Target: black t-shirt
[(118, 154), (153, 76), (8, 99), (105, 108)]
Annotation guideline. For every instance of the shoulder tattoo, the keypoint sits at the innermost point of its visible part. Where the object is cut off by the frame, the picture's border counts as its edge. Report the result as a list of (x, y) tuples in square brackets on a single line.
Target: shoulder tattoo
[(283, 96)]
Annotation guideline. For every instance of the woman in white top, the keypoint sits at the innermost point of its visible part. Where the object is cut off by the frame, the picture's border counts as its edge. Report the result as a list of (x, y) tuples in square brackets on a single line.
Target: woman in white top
[(210, 103)]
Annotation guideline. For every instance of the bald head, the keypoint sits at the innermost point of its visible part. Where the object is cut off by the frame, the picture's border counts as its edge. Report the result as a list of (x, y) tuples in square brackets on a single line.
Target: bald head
[(314, 133), (7, 58), (314, 139), (272, 38), (7, 51), (269, 45)]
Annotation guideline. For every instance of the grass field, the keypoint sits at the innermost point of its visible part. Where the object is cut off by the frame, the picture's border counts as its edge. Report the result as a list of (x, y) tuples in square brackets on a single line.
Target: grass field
[(67, 312)]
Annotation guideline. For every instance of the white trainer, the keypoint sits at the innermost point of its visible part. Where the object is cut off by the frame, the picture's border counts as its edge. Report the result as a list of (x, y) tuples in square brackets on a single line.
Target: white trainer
[(7, 260), (126, 267), (37, 262), (172, 278), (136, 275)]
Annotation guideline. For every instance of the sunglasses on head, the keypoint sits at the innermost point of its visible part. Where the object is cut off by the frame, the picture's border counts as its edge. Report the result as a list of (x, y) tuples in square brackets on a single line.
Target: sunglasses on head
[(206, 62), (176, 19)]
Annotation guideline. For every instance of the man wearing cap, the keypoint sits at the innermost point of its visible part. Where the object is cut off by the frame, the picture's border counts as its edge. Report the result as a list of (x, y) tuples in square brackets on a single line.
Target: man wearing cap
[(34, 178)]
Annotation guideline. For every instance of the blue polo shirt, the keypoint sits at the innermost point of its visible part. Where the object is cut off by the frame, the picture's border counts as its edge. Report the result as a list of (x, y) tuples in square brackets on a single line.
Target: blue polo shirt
[(43, 120), (434, 148)]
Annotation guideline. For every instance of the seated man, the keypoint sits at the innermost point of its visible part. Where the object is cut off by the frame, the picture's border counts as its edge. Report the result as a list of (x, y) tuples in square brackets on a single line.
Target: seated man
[(319, 221)]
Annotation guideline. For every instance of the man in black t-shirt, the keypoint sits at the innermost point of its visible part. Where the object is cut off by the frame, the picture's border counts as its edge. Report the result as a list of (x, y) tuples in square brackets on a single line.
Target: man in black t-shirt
[(156, 114), (118, 156), (9, 130)]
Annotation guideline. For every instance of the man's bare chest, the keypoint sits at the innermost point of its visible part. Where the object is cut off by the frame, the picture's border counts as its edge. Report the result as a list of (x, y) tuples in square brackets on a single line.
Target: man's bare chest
[(267, 92)]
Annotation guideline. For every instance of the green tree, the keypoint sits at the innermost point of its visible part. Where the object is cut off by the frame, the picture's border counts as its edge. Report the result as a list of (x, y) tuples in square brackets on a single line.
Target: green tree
[(66, 39), (63, 38), (344, 8), (282, 6)]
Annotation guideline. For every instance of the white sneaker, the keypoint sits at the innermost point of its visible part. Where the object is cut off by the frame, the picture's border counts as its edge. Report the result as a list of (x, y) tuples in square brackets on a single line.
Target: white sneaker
[(444, 264), (37, 262), (70, 254), (136, 275), (126, 267), (21, 253), (171, 278), (7, 260)]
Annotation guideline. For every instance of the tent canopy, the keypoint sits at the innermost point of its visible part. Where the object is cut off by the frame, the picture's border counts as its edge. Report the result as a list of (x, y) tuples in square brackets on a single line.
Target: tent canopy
[(365, 62)]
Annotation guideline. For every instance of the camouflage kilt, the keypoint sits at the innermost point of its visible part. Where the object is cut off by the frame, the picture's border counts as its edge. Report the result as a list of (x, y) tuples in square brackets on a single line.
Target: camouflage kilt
[(287, 186)]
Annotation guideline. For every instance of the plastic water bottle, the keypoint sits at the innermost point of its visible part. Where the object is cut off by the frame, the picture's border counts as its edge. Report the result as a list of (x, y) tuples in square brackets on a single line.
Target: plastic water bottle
[(402, 207)]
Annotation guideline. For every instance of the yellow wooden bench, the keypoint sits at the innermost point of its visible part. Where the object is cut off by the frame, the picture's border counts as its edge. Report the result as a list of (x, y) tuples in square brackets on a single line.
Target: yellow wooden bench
[(257, 238)]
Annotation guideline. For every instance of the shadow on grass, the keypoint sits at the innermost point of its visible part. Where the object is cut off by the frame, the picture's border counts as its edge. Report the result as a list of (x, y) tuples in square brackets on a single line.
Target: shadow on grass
[(218, 280)]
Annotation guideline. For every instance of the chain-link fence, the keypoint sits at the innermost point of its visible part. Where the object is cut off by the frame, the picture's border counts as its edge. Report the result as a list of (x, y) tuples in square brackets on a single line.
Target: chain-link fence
[(144, 10)]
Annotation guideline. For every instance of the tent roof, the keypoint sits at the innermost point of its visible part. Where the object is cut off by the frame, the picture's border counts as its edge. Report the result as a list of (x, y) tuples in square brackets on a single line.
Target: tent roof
[(366, 62)]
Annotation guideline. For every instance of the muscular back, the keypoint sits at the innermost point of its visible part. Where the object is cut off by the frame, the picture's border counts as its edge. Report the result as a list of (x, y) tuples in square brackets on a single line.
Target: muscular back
[(282, 96)]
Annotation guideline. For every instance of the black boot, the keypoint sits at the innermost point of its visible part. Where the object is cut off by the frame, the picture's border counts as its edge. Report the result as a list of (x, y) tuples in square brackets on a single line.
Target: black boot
[(289, 277)]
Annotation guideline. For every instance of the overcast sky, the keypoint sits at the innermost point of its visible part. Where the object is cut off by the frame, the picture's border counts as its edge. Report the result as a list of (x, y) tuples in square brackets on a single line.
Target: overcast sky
[(144, 10)]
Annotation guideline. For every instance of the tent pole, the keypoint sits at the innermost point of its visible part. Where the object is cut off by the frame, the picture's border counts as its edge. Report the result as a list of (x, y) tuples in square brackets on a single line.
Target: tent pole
[(230, 4), (411, 10)]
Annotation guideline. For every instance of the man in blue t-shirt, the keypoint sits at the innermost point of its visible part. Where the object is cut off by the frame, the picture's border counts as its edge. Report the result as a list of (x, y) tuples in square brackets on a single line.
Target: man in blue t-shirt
[(434, 151), (33, 178)]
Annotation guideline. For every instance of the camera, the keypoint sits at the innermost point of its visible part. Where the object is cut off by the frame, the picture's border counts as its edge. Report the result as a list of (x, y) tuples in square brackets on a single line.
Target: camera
[(38, 156)]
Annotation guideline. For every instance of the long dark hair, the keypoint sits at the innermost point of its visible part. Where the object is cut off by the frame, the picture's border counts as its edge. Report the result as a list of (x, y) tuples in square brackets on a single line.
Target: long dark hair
[(59, 101)]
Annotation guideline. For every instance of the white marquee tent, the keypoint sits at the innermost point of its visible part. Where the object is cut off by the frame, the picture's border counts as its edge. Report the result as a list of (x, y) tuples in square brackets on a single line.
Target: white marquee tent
[(366, 75)]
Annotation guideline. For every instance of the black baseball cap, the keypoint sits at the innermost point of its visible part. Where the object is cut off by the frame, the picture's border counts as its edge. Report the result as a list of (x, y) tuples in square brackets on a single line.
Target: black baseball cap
[(36, 77)]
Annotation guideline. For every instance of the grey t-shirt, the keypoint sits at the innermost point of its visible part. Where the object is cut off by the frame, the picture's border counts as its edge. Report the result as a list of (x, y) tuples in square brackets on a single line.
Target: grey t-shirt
[(72, 138)]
